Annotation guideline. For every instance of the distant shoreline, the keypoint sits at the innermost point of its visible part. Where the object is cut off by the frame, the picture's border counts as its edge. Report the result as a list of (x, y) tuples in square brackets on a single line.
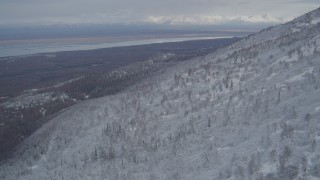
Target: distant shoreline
[(31, 47)]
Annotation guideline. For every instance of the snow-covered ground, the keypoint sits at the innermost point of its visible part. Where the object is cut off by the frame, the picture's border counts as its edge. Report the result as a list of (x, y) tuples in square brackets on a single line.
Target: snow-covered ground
[(248, 111)]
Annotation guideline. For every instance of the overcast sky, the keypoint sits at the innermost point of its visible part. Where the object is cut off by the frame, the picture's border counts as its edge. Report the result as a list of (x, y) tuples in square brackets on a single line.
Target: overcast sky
[(203, 12)]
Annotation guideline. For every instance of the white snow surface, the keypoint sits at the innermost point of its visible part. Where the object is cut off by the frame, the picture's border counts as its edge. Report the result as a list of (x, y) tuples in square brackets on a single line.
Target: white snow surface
[(243, 112)]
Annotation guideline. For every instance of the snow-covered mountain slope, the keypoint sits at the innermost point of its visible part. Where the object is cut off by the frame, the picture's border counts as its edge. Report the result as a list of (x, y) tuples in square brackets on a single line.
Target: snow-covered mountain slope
[(248, 111)]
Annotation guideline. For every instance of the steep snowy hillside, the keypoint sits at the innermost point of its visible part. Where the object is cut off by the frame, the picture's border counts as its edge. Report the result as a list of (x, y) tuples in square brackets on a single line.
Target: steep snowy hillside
[(248, 111)]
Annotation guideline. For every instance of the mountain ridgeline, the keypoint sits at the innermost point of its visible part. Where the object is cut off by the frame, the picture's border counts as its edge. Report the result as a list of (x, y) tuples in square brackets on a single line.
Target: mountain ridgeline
[(247, 111)]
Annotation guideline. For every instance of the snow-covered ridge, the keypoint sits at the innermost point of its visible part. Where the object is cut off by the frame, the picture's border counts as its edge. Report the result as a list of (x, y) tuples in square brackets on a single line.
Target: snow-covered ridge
[(34, 97), (162, 57), (248, 111), (126, 72), (67, 82), (31, 99)]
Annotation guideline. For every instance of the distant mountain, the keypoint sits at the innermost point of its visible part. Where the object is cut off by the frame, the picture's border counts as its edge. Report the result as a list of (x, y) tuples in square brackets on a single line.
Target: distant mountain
[(248, 111)]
